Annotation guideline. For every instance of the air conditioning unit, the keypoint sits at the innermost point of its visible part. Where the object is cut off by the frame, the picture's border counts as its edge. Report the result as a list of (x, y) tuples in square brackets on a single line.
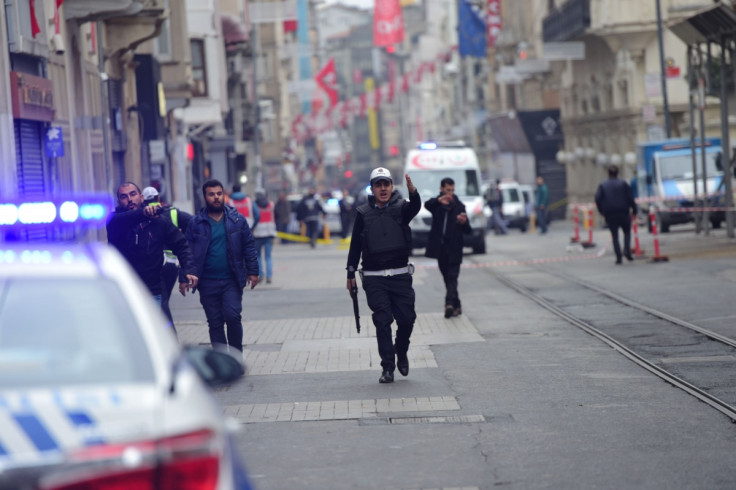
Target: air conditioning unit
[(266, 109)]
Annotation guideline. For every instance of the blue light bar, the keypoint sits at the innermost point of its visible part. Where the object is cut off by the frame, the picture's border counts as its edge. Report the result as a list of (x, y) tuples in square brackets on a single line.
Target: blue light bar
[(333, 202), (92, 210), (428, 145)]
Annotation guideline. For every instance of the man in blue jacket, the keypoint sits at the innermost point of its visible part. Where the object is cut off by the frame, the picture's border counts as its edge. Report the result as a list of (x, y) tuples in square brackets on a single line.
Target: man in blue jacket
[(226, 261)]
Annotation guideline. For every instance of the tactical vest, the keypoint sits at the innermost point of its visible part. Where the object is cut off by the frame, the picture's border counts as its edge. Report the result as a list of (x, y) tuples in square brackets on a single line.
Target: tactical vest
[(245, 208), (267, 223), (384, 230)]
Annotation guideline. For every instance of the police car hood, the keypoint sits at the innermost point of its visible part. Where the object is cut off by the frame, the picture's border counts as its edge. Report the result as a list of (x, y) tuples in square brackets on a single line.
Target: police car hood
[(43, 428)]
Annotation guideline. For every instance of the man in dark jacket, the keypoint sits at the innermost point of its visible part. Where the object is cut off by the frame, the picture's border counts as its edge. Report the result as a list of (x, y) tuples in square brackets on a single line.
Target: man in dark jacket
[(445, 243), (141, 237), (308, 212), (494, 197), (381, 234), (226, 261), (615, 200)]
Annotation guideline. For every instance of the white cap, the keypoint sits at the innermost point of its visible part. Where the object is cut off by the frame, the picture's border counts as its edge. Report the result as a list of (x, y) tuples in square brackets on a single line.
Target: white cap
[(149, 193), (380, 173)]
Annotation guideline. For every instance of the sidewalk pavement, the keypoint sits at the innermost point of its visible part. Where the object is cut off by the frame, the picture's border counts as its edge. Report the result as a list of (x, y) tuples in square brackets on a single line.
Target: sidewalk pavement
[(505, 395)]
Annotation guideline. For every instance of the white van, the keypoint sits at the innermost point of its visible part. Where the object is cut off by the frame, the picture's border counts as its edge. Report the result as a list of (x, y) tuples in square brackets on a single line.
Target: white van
[(427, 166)]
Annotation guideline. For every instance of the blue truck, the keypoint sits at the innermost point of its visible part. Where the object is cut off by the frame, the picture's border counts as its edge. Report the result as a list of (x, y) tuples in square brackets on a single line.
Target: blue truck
[(665, 180)]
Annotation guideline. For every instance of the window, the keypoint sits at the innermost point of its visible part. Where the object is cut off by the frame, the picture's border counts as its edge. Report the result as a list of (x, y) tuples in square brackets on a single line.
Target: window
[(162, 45), (199, 72), (68, 341)]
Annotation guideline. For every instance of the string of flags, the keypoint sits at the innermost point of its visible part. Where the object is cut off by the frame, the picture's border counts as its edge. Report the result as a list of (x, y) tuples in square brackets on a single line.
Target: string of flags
[(339, 114)]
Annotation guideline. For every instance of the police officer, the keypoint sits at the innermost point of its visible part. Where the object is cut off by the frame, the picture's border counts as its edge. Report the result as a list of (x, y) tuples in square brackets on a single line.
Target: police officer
[(382, 235)]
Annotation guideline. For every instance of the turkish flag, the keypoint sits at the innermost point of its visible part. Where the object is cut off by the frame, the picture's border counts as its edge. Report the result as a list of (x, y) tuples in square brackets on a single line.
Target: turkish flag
[(326, 78), (388, 23), (35, 28), (493, 23)]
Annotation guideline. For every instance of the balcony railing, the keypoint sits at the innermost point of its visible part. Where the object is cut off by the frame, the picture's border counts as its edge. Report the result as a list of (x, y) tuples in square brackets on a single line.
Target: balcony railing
[(567, 22)]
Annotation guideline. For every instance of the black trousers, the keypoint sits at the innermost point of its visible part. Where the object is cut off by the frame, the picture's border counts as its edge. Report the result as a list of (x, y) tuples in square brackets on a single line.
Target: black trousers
[(391, 298), (450, 273), (622, 221)]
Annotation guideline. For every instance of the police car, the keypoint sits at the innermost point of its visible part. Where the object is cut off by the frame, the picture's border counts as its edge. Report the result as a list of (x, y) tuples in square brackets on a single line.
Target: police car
[(95, 391)]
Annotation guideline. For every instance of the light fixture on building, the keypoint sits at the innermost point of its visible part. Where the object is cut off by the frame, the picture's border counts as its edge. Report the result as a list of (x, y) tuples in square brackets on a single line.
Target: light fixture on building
[(590, 153), (561, 156), (601, 159), (615, 159), (580, 152), (630, 158)]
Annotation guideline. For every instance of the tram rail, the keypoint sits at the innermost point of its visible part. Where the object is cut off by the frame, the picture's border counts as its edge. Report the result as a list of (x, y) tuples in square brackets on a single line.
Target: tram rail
[(723, 344)]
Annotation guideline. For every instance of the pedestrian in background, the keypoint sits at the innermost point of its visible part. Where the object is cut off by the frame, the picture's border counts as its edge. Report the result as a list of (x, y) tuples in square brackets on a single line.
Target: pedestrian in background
[(381, 235), (170, 270), (244, 205), (347, 213), (494, 196), (445, 243), (308, 213), (541, 202), (264, 233), (282, 211), (615, 201), (141, 236), (226, 261)]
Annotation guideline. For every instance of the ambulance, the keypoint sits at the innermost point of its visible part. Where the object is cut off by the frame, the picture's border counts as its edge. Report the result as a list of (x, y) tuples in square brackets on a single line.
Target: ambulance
[(427, 165)]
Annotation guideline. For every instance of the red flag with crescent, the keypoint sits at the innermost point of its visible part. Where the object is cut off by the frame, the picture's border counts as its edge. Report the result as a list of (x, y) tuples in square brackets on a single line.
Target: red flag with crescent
[(326, 78), (388, 23)]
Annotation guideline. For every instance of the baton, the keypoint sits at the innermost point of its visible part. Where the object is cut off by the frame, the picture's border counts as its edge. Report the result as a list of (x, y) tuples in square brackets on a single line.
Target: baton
[(354, 296)]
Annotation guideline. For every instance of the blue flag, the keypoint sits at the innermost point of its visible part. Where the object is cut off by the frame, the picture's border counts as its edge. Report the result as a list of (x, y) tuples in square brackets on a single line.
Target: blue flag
[(471, 30)]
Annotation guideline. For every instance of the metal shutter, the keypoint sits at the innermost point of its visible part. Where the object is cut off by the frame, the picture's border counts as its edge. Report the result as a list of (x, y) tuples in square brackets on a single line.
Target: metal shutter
[(30, 167)]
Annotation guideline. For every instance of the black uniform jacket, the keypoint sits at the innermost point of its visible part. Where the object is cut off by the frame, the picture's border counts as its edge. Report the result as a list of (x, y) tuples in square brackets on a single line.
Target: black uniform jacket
[(142, 241), (391, 260), (446, 233)]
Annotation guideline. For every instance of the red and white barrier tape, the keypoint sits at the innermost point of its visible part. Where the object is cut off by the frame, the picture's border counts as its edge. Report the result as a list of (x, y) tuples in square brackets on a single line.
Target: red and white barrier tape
[(511, 263), (640, 200), (693, 210)]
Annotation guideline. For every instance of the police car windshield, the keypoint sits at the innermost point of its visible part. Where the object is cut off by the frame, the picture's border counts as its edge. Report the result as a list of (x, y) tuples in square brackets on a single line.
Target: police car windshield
[(428, 182), (66, 331)]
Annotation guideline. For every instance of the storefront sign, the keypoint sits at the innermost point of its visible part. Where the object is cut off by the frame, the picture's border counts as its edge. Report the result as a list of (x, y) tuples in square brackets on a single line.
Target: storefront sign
[(33, 97)]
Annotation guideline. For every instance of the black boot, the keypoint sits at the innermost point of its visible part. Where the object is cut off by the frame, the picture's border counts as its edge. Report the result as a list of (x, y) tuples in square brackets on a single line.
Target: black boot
[(402, 362), (386, 377)]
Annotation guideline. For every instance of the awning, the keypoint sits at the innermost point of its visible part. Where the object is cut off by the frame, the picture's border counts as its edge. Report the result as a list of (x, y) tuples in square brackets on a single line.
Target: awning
[(233, 31), (711, 24), (506, 131)]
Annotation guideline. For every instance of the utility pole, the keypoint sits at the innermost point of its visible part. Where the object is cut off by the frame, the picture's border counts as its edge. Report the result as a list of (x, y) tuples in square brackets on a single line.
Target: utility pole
[(257, 108), (663, 74)]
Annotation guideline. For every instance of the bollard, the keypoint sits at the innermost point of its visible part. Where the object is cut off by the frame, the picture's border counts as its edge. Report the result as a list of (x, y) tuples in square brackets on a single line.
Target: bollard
[(326, 231), (532, 223), (657, 258), (576, 220), (638, 251), (590, 225)]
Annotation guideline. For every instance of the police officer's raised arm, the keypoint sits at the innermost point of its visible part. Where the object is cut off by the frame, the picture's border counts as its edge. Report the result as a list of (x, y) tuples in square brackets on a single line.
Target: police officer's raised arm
[(415, 201)]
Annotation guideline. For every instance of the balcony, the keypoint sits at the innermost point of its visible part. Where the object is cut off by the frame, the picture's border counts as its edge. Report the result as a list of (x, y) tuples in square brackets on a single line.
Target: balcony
[(567, 22)]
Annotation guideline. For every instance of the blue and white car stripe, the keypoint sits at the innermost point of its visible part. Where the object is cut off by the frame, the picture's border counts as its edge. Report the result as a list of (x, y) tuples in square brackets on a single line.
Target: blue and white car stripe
[(27, 433)]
